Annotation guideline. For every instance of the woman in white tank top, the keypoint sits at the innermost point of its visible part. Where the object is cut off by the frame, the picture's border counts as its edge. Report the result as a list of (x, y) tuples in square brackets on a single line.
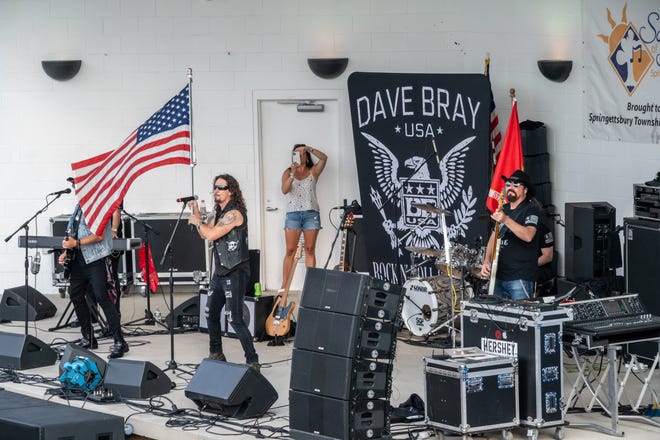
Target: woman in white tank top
[(299, 183)]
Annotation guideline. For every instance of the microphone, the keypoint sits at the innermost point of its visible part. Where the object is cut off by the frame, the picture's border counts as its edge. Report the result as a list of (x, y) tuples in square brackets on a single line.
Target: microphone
[(186, 199), (437, 156), (36, 264), (60, 192)]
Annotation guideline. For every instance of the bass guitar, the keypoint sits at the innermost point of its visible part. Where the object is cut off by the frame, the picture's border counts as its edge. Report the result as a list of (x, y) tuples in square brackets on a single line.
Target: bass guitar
[(278, 322)]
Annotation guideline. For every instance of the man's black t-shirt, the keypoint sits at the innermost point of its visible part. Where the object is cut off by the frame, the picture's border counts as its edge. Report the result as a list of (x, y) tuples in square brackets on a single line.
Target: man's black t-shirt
[(546, 240), (518, 259)]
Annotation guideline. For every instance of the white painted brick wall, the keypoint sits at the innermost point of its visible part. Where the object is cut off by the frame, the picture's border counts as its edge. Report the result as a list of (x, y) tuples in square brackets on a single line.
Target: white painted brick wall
[(135, 54)]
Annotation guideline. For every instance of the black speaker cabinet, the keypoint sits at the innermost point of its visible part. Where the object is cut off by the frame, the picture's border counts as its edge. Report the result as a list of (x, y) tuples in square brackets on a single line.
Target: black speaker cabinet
[(255, 311), (320, 417), (185, 314), (642, 270), (586, 240), (135, 379), (232, 390), (188, 257), (339, 377), (29, 418), (12, 307), (22, 352), (350, 293), (72, 351), (344, 335)]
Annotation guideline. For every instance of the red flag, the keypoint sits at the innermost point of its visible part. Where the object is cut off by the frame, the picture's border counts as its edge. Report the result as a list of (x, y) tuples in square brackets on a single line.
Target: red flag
[(102, 181), (144, 256), (510, 160)]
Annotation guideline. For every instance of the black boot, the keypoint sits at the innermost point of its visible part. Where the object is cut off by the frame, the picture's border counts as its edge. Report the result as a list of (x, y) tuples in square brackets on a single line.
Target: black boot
[(119, 348), (88, 344)]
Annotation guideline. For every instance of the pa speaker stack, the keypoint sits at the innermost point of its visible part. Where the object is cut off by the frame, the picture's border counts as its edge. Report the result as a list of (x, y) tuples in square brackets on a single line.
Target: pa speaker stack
[(342, 356)]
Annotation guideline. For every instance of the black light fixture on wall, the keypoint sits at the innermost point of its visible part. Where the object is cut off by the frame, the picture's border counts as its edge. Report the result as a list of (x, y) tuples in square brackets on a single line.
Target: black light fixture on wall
[(555, 70), (61, 70), (327, 68)]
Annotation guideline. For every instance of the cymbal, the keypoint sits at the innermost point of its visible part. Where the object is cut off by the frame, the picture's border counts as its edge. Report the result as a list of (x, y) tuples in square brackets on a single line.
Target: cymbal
[(431, 208), (424, 251)]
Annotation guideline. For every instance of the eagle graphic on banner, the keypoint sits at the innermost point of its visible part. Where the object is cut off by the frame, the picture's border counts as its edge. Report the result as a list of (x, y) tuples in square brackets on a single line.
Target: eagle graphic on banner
[(420, 188)]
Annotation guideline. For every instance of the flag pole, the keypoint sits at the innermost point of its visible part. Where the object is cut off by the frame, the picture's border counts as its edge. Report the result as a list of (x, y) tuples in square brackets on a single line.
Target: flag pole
[(193, 153)]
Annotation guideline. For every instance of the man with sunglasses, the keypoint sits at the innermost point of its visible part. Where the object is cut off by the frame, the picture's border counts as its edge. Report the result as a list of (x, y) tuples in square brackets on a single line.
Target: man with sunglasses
[(518, 221), (229, 233)]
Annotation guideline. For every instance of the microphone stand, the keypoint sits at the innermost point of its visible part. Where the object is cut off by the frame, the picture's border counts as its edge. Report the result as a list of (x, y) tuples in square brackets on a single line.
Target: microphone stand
[(169, 251), (26, 226), (146, 228)]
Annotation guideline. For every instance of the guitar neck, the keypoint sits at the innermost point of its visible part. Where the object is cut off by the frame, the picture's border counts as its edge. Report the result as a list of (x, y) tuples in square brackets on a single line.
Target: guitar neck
[(342, 255)]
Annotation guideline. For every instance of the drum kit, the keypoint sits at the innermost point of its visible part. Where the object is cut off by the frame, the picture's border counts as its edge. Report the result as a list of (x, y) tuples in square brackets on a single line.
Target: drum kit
[(429, 303)]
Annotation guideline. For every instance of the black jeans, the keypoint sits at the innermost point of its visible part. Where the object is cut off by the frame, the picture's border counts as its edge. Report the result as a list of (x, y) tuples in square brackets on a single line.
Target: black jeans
[(92, 276), (229, 290)]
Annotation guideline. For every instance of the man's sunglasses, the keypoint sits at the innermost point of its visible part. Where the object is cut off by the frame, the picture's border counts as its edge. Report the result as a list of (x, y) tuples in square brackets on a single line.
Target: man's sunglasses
[(220, 187), (512, 183)]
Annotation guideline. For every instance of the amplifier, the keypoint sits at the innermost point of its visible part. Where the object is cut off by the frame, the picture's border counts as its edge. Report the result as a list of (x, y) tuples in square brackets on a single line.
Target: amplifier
[(255, 312), (646, 201)]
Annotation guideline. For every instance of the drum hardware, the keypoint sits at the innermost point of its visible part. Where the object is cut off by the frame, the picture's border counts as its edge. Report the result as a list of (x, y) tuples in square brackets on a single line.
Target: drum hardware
[(424, 251), (431, 208)]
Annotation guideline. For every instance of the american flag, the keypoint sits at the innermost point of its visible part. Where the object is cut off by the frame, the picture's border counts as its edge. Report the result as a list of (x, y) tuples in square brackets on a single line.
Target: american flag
[(102, 181), (495, 134)]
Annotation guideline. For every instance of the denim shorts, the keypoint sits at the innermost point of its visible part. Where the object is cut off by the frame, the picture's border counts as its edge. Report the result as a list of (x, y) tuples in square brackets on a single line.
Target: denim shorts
[(306, 220)]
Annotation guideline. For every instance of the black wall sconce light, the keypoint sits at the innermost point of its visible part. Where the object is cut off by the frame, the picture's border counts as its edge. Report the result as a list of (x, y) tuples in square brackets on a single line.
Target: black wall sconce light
[(555, 70), (61, 70), (327, 68)]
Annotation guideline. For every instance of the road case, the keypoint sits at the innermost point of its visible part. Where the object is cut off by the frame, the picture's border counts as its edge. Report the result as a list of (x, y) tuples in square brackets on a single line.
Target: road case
[(531, 333), (471, 394)]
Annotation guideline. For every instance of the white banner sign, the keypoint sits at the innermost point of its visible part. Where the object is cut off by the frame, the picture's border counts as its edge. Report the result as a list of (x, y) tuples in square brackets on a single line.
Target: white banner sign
[(622, 70)]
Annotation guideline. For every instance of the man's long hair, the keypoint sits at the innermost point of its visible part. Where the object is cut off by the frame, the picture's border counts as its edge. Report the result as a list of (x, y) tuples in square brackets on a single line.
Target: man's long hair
[(234, 188)]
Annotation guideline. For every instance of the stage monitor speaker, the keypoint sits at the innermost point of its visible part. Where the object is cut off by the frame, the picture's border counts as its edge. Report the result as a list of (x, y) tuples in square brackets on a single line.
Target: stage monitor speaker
[(72, 351), (255, 311), (29, 418), (232, 390), (589, 226), (344, 335), (322, 417), (339, 377), (135, 379), (12, 307), (23, 352), (350, 293), (642, 271), (185, 314)]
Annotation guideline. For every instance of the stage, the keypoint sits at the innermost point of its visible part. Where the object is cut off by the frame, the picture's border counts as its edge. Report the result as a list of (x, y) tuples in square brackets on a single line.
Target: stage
[(191, 347)]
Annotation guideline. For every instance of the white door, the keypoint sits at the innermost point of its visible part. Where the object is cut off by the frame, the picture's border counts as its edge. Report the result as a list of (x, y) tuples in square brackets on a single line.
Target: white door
[(281, 126)]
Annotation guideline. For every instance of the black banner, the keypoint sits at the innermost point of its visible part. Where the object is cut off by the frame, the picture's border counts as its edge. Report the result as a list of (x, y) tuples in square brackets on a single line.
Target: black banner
[(396, 118)]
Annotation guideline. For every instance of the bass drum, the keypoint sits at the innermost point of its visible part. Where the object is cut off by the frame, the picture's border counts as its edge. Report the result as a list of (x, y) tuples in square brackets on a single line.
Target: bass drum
[(426, 302)]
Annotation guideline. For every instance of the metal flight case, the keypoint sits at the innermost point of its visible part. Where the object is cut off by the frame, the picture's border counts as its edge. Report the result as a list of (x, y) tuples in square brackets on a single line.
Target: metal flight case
[(532, 333), (484, 386)]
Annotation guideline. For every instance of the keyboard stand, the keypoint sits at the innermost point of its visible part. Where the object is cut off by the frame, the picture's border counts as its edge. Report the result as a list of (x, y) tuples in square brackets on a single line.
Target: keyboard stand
[(612, 407), (635, 407)]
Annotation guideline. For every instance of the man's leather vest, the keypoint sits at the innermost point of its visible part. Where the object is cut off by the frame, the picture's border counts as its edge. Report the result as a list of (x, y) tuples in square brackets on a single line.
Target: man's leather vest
[(232, 249)]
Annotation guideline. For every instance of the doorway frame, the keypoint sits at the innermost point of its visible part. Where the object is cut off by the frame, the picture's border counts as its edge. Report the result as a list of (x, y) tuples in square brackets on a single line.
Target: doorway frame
[(259, 96)]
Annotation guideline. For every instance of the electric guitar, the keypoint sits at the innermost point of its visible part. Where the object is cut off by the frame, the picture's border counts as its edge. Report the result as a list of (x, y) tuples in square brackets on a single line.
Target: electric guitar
[(278, 322), (346, 226), (68, 262), (496, 251)]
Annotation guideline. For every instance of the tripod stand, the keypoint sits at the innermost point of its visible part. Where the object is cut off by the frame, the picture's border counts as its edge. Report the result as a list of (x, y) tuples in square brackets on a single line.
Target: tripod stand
[(148, 315), (169, 251)]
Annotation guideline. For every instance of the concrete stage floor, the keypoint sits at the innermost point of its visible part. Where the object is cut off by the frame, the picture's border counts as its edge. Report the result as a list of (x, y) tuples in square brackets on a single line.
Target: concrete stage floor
[(191, 347)]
